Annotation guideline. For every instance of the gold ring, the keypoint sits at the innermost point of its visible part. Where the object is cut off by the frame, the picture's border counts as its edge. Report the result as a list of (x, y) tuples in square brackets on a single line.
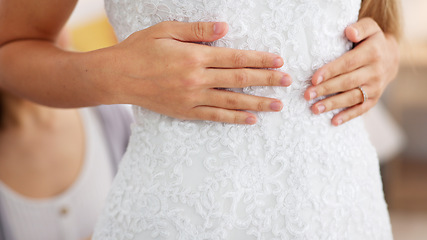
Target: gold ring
[(365, 95)]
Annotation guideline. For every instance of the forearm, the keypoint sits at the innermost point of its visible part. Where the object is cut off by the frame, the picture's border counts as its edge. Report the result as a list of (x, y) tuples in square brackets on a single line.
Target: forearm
[(41, 72)]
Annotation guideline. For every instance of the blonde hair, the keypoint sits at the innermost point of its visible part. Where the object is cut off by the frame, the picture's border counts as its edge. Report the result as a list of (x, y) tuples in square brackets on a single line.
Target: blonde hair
[(386, 13)]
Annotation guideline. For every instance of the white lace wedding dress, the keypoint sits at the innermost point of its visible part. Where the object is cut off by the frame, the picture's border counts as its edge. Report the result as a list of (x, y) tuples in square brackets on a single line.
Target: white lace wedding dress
[(291, 176)]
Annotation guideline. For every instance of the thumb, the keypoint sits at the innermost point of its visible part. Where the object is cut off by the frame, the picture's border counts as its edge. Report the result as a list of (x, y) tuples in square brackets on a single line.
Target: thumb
[(191, 32), (362, 29)]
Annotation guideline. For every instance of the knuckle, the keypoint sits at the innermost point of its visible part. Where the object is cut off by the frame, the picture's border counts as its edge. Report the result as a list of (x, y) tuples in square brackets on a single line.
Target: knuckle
[(368, 25), (239, 59), (271, 77), (265, 60), (194, 60), (236, 118), (363, 29), (216, 117), (329, 104), (242, 78), (192, 81), (198, 30), (372, 23), (323, 89), (320, 90), (162, 26), (231, 102), (260, 107), (350, 63)]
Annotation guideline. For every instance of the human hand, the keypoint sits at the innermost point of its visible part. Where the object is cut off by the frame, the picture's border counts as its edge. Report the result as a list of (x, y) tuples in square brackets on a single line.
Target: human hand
[(372, 64), (161, 69)]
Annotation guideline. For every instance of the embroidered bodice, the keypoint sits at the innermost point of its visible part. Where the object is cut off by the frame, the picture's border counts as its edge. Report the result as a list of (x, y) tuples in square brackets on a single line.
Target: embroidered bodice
[(291, 176)]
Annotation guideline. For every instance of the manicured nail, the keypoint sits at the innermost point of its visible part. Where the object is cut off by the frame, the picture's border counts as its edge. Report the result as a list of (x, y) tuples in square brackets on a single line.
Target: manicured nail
[(319, 79), (339, 121), (356, 33), (218, 28), (313, 94), (250, 120), (321, 108), (276, 106), (278, 62), (286, 80)]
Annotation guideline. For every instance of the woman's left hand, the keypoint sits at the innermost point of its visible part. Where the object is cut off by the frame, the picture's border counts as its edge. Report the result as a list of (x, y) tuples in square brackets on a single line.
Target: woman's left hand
[(372, 64)]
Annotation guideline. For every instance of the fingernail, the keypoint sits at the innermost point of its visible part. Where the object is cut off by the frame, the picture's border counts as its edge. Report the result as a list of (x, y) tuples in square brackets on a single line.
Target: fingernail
[(276, 106), (250, 120), (339, 121), (218, 28), (356, 33), (321, 108), (286, 80), (278, 62), (319, 79), (313, 94)]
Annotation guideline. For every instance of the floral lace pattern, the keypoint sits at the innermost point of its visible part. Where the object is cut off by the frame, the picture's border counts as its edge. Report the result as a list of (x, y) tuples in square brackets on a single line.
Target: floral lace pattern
[(291, 176)]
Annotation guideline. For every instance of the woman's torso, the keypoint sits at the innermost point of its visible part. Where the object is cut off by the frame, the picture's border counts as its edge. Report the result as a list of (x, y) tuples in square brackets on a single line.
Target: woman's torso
[(291, 176)]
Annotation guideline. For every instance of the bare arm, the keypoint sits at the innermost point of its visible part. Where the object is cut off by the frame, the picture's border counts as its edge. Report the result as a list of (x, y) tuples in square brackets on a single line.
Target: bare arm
[(157, 68), (30, 64)]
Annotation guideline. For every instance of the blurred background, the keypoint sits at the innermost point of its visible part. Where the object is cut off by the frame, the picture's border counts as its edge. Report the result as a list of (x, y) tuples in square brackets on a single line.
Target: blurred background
[(405, 173), (398, 125)]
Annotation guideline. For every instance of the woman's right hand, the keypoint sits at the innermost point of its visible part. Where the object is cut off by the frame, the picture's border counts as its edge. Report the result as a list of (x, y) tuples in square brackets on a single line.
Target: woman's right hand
[(162, 69)]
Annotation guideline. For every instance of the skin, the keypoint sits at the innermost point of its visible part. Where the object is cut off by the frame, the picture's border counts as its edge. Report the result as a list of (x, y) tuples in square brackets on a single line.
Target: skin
[(144, 69), (41, 148), (372, 64), (157, 68)]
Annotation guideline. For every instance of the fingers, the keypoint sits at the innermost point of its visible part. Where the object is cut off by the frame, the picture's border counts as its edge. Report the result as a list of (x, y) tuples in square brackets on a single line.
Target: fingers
[(239, 101), (342, 100), (362, 66), (233, 58), (217, 57), (338, 84), (240, 78), (362, 55), (223, 115), (362, 29), (348, 62), (190, 32), (352, 112), (353, 98)]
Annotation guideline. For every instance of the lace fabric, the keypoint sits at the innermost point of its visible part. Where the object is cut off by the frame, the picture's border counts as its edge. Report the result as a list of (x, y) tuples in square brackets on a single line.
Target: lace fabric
[(291, 176)]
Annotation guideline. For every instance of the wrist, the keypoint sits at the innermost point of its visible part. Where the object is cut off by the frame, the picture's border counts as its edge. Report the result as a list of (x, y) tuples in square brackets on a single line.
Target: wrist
[(95, 69)]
